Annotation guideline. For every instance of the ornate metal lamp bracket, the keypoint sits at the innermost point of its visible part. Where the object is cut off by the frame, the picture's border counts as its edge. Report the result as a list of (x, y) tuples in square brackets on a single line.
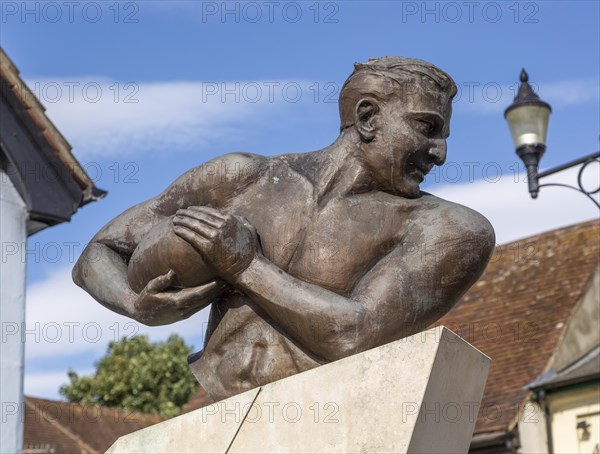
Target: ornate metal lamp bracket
[(584, 162)]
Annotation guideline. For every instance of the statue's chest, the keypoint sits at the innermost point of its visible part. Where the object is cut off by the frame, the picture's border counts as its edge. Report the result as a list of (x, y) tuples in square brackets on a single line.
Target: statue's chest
[(344, 240), (331, 246)]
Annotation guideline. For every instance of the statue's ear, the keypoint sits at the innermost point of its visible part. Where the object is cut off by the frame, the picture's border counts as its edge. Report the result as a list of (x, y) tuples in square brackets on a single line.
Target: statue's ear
[(364, 118)]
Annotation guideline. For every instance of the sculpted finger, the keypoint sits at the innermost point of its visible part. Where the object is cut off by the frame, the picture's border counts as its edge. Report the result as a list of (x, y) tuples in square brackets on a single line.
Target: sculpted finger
[(191, 236), (202, 293), (201, 216), (161, 282), (200, 227), (211, 211)]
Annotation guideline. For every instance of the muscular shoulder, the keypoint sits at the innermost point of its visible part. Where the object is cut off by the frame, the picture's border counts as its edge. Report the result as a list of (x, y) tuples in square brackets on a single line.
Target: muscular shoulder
[(467, 230)]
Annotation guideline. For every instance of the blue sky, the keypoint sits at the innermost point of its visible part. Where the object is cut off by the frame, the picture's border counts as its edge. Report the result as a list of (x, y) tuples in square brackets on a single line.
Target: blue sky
[(146, 90)]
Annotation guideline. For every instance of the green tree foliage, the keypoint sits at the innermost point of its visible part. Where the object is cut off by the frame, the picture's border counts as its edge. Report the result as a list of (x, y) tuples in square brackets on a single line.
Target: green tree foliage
[(137, 374)]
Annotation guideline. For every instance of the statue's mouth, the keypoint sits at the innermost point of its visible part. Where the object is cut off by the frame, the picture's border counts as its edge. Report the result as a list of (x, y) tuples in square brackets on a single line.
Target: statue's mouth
[(419, 170)]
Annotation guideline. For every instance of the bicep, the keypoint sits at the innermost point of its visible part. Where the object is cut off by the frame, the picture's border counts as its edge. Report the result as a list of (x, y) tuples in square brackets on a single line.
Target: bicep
[(124, 233)]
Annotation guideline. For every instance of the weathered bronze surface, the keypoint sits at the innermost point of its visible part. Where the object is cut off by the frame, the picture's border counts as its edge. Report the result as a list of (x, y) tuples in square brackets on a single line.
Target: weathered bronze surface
[(306, 258)]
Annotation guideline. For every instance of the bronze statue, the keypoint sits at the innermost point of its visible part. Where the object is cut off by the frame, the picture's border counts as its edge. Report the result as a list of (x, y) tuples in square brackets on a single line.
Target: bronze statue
[(306, 258)]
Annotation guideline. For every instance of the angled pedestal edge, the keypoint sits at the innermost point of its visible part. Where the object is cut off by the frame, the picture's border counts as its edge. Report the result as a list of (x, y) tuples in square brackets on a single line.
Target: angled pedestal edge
[(418, 394)]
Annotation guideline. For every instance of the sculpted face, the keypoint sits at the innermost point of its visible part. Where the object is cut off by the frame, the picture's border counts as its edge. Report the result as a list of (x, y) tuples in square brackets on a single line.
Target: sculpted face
[(410, 140)]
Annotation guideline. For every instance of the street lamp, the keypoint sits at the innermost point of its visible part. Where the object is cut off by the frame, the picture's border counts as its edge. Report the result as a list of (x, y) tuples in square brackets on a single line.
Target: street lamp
[(527, 119)]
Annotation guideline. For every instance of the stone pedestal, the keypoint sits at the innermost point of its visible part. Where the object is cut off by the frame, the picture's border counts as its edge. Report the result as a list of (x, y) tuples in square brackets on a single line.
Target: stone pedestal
[(419, 394)]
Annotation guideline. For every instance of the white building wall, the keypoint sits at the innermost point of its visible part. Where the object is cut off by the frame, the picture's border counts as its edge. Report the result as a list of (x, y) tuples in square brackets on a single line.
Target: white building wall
[(13, 215), (532, 430), (568, 409)]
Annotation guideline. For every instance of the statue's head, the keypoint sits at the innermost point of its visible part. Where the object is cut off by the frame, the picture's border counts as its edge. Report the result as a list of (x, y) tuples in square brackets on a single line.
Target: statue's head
[(400, 108)]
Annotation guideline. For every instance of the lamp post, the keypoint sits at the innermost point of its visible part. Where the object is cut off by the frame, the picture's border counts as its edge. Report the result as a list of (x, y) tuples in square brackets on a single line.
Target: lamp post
[(527, 119)]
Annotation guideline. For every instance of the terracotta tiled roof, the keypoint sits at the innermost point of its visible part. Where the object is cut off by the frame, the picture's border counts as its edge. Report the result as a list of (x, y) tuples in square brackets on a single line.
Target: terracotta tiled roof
[(517, 311), (61, 427)]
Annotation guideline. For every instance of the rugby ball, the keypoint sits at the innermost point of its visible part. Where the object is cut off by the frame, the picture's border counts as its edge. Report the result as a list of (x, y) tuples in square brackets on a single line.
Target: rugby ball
[(162, 250)]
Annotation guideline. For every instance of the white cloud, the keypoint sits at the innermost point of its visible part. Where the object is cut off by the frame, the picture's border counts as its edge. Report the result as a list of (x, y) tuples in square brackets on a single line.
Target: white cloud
[(64, 323), (103, 117), (571, 92), (514, 215), (492, 97)]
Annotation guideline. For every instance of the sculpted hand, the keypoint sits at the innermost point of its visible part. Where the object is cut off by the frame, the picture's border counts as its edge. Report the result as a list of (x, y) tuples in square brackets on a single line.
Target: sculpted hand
[(229, 243), (155, 306)]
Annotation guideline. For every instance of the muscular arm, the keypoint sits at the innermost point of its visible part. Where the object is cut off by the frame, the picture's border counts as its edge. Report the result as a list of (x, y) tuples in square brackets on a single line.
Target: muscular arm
[(408, 289), (102, 268)]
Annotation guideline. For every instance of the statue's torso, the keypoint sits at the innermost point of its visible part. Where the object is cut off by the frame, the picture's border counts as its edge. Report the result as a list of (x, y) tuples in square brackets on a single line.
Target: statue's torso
[(332, 245)]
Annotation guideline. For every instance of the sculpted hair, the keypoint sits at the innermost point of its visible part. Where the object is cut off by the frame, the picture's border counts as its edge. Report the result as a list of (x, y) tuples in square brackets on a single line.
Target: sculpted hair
[(391, 78)]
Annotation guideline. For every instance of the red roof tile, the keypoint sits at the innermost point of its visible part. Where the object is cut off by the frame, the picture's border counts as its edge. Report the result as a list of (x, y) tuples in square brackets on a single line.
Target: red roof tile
[(72, 428)]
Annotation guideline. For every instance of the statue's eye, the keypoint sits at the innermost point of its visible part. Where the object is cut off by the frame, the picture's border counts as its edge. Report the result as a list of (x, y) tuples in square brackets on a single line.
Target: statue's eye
[(425, 127)]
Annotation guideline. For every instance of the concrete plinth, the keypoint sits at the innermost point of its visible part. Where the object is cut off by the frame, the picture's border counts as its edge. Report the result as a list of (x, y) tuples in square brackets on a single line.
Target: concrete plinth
[(419, 394)]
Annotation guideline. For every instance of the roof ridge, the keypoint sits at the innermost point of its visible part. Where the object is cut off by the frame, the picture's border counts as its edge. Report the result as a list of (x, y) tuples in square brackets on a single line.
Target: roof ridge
[(580, 301), (593, 353)]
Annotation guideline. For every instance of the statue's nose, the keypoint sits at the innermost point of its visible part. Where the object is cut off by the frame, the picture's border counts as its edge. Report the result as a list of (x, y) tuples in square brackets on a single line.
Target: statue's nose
[(437, 153)]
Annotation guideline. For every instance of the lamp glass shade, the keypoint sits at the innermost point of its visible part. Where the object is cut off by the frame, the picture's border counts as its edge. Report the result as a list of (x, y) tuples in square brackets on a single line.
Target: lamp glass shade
[(528, 124)]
